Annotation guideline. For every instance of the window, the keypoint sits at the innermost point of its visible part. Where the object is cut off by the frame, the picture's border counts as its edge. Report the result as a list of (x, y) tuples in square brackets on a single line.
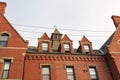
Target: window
[(6, 69), (4, 40), (70, 73), (87, 49), (45, 47), (45, 73), (93, 73), (55, 36), (67, 47)]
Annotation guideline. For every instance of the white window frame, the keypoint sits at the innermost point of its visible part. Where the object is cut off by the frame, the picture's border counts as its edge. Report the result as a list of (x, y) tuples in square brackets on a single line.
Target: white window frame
[(93, 73), (47, 73), (67, 47), (70, 73), (45, 46), (87, 48), (6, 69)]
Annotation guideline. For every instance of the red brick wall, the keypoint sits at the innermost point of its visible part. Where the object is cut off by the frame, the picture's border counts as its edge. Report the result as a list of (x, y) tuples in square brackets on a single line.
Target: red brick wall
[(58, 63), (15, 50)]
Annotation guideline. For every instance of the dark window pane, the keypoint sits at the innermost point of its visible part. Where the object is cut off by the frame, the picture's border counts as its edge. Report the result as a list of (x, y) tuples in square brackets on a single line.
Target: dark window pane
[(4, 40), (4, 37), (3, 43)]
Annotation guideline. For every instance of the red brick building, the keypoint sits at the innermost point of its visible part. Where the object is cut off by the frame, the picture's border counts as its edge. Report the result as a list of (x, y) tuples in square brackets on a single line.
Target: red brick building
[(55, 58)]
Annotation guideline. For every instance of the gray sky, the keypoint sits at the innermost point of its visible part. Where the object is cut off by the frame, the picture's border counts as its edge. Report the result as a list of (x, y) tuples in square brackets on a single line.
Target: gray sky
[(75, 18)]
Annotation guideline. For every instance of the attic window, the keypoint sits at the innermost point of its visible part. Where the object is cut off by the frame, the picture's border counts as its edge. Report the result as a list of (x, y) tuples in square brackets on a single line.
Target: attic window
[(87, 48), (4, 40), (45, 46), (67, 47)]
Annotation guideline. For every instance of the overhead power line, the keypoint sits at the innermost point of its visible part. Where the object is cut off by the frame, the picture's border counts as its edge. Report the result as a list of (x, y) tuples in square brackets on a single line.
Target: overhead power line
[(58, 28), (67, 34), (73, 40)]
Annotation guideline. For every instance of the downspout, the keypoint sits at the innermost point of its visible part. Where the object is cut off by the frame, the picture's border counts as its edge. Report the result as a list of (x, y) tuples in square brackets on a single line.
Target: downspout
[(108, 65), (24, 66)]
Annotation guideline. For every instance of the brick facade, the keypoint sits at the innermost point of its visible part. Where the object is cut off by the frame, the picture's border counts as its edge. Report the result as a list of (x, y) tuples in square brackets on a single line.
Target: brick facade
[(26, 63)]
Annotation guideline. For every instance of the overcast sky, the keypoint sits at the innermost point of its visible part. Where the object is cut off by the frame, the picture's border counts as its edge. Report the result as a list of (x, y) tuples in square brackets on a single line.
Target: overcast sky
[(75, 18)]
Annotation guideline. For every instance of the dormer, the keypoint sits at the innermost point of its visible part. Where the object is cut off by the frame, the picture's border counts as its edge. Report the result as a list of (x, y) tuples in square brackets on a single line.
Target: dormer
[(44, 44), (66, 45), (56, 37), (85, 46)]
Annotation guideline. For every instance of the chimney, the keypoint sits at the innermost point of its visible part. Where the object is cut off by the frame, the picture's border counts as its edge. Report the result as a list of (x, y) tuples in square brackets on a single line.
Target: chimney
[(116, 20), (2, 8)]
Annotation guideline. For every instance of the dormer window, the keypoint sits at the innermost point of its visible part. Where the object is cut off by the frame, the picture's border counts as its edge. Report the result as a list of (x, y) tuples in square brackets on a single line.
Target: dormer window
[(45, 46), (4, 40), (87, 48), (67, 47)]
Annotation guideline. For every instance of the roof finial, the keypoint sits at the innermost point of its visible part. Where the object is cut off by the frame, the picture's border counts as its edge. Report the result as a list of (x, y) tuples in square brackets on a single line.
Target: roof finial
[(55, 26)]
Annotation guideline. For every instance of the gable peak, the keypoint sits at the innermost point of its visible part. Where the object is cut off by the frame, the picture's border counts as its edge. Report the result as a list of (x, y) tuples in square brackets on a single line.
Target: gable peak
[(66, 38), (56, 31), (84, 39), (116, 20), (44, 37)]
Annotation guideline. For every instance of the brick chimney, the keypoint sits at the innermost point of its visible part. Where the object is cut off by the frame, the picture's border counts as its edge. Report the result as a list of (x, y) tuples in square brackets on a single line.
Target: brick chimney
[(116, 20), (2, 8)]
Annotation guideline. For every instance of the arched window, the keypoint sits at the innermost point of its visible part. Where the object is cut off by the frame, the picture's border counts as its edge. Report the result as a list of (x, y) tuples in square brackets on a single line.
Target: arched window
[(4, 40)]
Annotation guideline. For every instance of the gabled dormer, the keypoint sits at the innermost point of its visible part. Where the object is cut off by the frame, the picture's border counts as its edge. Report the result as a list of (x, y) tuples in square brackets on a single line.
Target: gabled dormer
[(44, 44), (85, 46), (56, 37), (66, 45)]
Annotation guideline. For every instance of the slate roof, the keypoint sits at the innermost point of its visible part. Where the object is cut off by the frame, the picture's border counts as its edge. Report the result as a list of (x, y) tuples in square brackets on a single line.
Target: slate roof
[(103, 49)]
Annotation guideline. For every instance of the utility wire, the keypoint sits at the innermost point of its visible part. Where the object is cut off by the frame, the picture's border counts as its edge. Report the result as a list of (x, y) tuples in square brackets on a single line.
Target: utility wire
[(67, 34), (58, 28), (72, 40)]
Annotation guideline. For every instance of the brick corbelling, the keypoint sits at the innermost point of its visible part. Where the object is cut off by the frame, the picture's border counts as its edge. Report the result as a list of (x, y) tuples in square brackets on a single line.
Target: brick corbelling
[(65, 58)]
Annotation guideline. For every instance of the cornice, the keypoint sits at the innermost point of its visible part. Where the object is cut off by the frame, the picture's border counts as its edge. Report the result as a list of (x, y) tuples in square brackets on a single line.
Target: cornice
[(65, 58)]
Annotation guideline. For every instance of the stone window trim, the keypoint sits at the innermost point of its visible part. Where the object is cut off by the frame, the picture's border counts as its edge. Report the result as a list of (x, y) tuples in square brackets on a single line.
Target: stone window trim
[(41, 65), (6, 58), (96, 69), (68, 74), (5, 32), (69, 65), (2, 61), (45, 66)]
